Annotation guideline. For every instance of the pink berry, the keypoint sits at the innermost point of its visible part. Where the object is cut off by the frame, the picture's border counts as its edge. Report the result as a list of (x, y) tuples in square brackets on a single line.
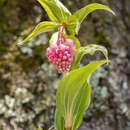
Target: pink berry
[(60, 54)]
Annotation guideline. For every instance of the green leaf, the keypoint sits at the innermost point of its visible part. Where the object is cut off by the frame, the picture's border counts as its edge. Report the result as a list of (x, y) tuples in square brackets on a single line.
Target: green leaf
[(89, 49), (56, 11), (59, 121), (42, 27), (71, 87), (72, 25), (83, 12), (81, 103), (54, 38)]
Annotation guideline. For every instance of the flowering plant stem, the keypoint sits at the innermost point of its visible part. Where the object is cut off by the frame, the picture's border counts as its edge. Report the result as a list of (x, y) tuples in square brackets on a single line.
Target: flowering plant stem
[(61, 28), (65, 53)]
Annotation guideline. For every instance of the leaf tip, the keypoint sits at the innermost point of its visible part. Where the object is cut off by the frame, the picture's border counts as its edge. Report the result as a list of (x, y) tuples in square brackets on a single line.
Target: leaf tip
[(113, 12)]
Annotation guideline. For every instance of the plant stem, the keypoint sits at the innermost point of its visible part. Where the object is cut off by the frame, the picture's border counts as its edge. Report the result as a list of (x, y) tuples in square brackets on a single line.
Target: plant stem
[(61, 32), (67, 128)]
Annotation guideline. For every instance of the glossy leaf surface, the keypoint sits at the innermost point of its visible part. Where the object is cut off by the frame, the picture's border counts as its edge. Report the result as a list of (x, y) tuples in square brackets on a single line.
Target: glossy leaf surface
[(56, 11)]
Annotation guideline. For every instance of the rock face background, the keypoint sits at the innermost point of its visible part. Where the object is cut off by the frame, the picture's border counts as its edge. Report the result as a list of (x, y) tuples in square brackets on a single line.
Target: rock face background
[(28, 82)]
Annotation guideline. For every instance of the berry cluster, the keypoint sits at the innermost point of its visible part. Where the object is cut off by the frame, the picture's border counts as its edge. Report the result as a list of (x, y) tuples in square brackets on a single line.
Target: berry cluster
[(60, 54)]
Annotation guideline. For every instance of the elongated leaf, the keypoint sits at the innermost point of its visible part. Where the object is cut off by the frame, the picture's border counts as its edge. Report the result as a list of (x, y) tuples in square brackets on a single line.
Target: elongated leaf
[(42, 27), (89, 49), (83, 12), (82, 102), (59, 121), (56, 11), (69, 88)]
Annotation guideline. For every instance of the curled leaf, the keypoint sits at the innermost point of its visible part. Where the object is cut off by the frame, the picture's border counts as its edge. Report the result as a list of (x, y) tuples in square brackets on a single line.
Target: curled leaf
[(83, 12), (89, 49)]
